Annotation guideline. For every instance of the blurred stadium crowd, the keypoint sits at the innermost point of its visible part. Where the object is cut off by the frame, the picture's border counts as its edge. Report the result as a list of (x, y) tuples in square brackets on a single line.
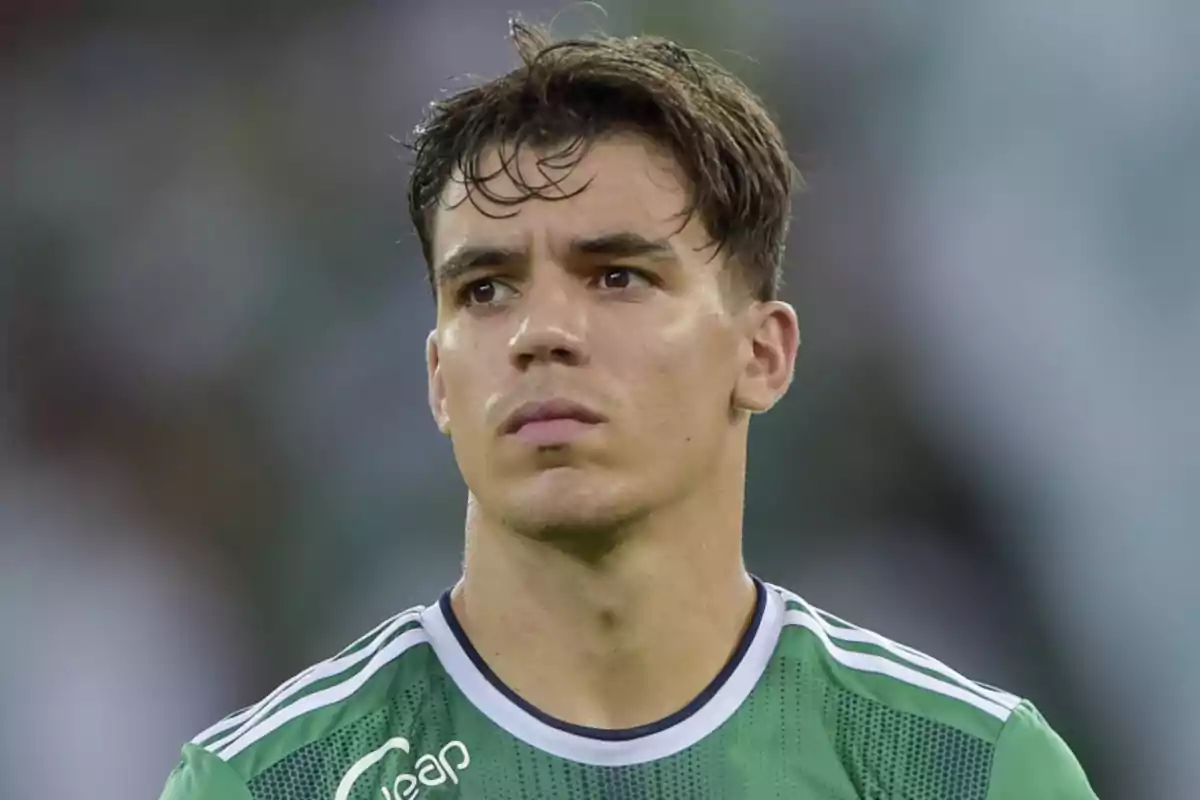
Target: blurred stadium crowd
[(216, 462)]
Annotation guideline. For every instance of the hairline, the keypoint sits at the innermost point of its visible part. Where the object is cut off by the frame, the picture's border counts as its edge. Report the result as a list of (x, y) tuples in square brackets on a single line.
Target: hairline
[(655, 146)]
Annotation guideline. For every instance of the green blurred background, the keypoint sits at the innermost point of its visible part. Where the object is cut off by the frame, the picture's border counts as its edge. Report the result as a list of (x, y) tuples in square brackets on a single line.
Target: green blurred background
[(216, 460)]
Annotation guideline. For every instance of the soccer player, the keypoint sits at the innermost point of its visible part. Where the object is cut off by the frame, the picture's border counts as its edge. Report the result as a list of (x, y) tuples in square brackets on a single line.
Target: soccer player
[(603, 228)]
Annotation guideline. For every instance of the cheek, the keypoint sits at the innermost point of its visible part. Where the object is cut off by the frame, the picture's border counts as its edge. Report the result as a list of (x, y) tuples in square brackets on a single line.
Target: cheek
[(466, 392), (684, 373), (467, 382)]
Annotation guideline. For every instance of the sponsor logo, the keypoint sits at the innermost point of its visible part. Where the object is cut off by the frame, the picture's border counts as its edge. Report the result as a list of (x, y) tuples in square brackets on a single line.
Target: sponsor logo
[(428, 770)]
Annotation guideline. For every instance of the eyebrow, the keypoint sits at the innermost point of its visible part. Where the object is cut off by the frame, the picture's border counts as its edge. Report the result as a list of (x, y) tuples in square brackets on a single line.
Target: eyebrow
[(466, 258), (623, 244)]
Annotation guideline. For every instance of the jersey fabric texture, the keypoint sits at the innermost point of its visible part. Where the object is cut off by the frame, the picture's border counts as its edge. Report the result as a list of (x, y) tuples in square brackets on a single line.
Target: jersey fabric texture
[(810, 707)]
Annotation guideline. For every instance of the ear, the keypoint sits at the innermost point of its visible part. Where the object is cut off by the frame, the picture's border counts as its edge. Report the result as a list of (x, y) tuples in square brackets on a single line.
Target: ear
[(770, 347), (437, 388)]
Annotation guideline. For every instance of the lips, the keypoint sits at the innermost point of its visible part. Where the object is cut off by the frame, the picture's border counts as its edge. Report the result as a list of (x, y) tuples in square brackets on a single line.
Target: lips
[(548, 411)]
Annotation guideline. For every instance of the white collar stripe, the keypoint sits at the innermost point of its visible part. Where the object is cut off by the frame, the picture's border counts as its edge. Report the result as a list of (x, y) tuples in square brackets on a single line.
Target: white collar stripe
[(598, 751)]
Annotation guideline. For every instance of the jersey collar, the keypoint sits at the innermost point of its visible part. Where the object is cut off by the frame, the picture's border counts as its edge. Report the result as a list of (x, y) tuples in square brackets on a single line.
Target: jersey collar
[(723, 696)]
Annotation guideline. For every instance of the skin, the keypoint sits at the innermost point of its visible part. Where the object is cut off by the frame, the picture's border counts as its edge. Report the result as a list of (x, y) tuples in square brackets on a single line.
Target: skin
[(579, 557)]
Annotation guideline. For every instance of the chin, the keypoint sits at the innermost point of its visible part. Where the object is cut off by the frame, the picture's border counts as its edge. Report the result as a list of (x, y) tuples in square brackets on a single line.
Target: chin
[(558, 506)]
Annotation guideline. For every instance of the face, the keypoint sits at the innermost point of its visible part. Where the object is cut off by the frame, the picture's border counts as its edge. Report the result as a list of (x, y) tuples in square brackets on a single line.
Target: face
[(592, 361)]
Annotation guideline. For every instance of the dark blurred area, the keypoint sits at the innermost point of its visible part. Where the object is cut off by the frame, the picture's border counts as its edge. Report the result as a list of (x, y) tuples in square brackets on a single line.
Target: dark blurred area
[(216, 460)]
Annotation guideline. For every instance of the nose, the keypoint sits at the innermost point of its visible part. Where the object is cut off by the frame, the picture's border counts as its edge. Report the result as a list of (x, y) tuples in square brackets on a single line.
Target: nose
[(552, 330)]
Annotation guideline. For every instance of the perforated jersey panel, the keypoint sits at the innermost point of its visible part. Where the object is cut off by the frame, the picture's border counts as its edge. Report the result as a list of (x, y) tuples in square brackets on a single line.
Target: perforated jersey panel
[(888, 753)]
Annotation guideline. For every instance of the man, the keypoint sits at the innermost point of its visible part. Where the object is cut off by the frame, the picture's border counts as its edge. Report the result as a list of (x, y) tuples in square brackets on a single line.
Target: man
[(604, 228)]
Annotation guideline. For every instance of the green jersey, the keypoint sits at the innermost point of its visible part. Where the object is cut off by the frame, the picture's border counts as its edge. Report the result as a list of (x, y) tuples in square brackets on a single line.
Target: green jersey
[(810, 708)]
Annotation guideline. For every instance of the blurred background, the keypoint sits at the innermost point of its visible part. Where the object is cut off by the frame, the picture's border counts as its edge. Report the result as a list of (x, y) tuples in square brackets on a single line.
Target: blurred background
[(216, 460)]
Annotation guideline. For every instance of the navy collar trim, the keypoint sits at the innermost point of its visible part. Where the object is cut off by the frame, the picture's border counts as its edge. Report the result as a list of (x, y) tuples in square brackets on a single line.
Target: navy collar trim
[(604, 734)]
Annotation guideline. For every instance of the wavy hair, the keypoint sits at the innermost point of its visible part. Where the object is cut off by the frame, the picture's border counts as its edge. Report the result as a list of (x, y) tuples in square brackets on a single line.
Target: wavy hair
[(567, 94)]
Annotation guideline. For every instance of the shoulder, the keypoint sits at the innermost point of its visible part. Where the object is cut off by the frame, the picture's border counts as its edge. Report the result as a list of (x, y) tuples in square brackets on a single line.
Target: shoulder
[(886, 704), (865, 668), (1033, 761), (308, 707)]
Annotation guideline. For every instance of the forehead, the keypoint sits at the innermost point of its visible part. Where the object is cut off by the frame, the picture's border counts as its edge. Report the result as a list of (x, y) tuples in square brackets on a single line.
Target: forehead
[(622, 183)]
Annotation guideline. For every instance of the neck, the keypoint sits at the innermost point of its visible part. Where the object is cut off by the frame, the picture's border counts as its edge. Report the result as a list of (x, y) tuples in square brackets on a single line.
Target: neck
[(612, 642)]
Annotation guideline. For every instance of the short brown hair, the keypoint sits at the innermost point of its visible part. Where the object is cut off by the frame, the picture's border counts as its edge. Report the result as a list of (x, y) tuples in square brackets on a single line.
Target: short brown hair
[(566, 94)]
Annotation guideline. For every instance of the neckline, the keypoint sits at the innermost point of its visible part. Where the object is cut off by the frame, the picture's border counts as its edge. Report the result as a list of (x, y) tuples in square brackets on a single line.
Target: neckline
[(706, 712)]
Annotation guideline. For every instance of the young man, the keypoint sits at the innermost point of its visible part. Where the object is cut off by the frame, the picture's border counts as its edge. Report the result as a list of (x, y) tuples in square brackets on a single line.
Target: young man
[(604, 228)]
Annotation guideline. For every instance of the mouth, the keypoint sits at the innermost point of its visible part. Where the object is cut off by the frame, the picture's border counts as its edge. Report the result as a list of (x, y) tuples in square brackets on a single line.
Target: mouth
[(551, 420)]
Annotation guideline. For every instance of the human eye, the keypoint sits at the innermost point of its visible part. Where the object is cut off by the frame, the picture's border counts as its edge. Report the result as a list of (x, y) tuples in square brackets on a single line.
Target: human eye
[(483, 292), (622, 277)]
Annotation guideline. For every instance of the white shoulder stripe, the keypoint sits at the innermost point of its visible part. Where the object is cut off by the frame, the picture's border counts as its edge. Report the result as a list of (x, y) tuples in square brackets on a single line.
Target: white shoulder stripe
[(231, 727), (863, 636), (837, 624), (408, 612), (325, 697), (867, 662), (853, 633), (233, 720)]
